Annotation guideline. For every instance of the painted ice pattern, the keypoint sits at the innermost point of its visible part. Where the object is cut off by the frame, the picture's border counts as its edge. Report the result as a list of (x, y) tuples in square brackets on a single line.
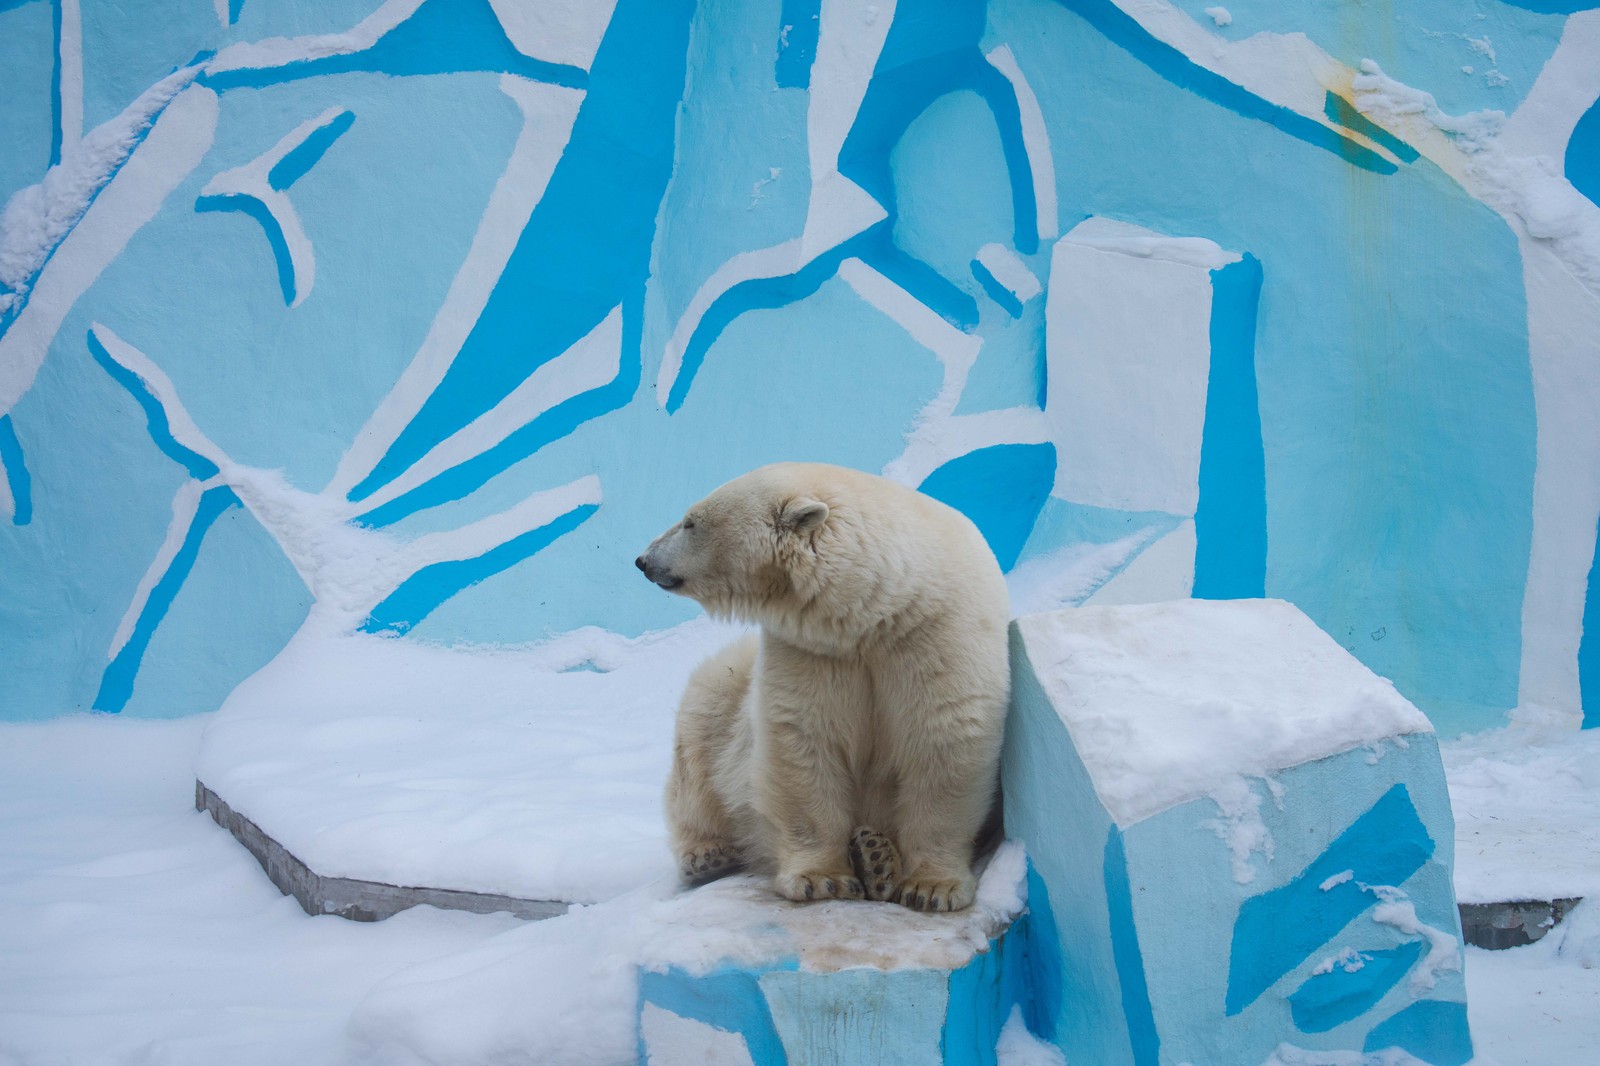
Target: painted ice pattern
[(934, 238)]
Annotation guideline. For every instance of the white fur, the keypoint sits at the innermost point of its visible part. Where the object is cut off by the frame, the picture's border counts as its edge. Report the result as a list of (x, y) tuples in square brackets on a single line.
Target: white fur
[(874, 696)]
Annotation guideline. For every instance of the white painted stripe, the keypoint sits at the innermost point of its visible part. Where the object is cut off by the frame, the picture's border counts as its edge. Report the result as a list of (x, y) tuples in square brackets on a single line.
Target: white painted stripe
[(174, 147), (849, 41), (71, 59), (589, 364), (8, 503), (548, 112), (1035, 142), (278, 51), (473, 539), (182, 427), (935, 441), (772, 262), (184, 507), (251, 179), (1287, 69), (1007, 268), (671, 1039), (556, 31), (955, 349)]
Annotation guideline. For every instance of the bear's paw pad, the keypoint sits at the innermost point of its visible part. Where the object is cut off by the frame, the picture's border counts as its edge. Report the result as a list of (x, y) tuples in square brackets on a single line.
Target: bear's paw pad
[(877, 863), (707, 862)]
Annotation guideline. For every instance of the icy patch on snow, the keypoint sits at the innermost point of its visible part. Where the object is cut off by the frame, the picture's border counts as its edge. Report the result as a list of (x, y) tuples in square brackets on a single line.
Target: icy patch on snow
[(1524, 804), (1171, 702), (37, 218), (564, 990)]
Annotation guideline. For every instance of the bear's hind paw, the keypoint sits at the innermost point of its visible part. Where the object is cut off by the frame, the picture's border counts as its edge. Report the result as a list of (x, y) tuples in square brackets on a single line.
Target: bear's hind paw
[(818, 886), (707, 862), (938, 894), (877, 862)]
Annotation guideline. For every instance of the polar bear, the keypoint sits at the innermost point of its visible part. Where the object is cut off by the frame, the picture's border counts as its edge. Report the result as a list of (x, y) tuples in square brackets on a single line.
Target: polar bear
[(850, 749)]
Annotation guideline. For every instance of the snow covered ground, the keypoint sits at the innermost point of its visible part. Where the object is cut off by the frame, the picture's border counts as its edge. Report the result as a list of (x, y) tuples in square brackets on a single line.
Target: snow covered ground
[(134, 930)]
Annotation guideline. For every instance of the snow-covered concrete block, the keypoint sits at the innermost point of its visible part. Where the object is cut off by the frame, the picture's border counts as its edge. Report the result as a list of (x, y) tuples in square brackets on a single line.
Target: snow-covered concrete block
[(840, 982), (1243, 835)]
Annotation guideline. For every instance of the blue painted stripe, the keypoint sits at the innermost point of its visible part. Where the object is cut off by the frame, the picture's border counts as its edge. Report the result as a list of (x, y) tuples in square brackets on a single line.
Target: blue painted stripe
[(586, 247), (997, 292), (728, 999), (16, 471), (254, 207), (1432, 1030), (1589, 646), (1581, 161), (899, 93), (441, 37), (303, 156), (1328, 1000), (799, 26), (116, 684), (1345, 114), (468, 475), (1129, 960), (56, 135), (421, 593), (1121, 29), (1001, 488), (1278, 930), (753, 294), (199, 466), (1230, 520)]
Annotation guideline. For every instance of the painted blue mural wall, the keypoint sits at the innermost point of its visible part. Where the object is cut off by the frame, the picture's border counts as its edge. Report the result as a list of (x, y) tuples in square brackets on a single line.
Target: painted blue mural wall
[(422, 316)]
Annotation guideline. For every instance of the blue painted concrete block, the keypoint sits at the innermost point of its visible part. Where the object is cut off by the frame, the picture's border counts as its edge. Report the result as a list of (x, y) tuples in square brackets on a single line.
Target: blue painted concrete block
[(847, 982), (1243, 835)]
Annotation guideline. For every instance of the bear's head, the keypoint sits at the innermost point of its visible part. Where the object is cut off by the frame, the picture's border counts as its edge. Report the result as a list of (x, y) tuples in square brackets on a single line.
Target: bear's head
[(737, 551)]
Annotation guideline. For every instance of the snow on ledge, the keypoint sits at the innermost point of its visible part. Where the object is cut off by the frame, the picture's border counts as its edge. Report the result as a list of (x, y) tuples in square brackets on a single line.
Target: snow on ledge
[(1170, 702)]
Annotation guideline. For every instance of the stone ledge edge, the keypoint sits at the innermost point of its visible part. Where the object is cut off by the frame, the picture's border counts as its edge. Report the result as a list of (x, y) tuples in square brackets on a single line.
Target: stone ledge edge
[(345, 897)]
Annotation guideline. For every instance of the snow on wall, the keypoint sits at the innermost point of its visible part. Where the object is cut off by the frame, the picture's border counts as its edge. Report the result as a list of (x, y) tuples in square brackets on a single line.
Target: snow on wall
[(422, 316)]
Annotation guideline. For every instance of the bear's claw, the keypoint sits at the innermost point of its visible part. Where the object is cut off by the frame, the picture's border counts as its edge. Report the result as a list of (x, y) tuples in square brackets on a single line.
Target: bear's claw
[(937, 895), (818, 886), (876, 861)]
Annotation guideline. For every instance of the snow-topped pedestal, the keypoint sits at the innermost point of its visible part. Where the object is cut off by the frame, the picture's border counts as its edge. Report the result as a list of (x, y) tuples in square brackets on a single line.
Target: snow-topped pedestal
[(839, 982), (1243, 834)]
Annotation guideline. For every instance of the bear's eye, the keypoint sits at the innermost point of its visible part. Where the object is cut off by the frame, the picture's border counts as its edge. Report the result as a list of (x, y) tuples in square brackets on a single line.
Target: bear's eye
[(688, 523)]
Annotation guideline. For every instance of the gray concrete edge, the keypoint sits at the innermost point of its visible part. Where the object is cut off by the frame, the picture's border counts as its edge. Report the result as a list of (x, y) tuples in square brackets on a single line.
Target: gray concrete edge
[(361, 901)]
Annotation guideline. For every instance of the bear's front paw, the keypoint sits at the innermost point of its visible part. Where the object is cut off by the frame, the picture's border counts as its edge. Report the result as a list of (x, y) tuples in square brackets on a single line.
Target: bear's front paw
[(818, 885), (876, 861), (707, 862), (938, 894)]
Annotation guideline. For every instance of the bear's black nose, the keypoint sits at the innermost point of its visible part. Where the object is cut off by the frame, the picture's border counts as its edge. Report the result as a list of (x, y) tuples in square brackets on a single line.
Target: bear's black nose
[(639, 562)]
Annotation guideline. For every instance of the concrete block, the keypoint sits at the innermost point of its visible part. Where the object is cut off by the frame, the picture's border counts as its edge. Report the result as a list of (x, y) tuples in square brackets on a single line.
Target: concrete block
[(1243, 835), (844, 982)]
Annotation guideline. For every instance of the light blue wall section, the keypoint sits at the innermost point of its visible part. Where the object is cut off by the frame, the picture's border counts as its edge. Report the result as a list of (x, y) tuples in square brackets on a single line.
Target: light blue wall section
[(27, 56), (1385, 372)]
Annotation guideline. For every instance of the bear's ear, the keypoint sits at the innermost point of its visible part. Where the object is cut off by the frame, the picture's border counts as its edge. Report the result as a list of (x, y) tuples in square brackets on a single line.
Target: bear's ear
[(803, 514)]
